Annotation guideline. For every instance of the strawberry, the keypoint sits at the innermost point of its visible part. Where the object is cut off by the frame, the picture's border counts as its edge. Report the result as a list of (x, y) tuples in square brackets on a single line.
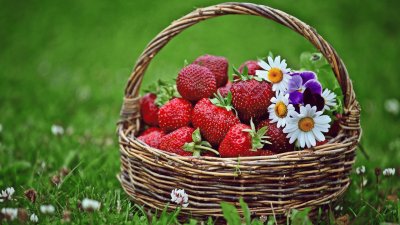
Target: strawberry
[(174, 141), (278, 139), (150, 130), (335, 127), (185, 141), (242, 140), (225, 89), (159, 93), (266, 152), (174, 114), (322, 142), (195, 82), (251, 65), (251, 98), (214, 118), (218, 66), (149, 109), (152, 136)]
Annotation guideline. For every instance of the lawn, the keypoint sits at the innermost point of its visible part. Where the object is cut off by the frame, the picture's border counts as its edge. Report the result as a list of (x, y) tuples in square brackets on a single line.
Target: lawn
[(66, 64)]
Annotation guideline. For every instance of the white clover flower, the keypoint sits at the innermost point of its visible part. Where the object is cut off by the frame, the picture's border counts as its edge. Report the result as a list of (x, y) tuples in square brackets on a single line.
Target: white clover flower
[(47, 209), (275, 72), (280, 109), (33, 218), (364, 183), (329, 99), (263, 218), (360, 170), (7, 194), (180, 197), (392, 106), (90, 204), (10, 213), (338, 208), (57, 129), (389, 171)]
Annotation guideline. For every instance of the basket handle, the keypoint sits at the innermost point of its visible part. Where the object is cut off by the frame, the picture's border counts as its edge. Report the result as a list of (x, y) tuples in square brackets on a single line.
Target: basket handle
[(232, 8)]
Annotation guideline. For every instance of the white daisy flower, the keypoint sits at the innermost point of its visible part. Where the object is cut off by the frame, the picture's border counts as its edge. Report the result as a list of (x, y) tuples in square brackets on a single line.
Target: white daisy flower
[(7, 194), (10, 213), (329, 98), (389, 171), (34, 218), (307, 126), (275, 72), (90, 204), (47, 209), (180, 197), (360, 170), (280, 109), (57, 129)]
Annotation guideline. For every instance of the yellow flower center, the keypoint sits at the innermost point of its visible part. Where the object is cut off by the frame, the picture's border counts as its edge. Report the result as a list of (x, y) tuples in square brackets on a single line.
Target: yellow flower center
[(306, 124), (275, 75), (281, 109)]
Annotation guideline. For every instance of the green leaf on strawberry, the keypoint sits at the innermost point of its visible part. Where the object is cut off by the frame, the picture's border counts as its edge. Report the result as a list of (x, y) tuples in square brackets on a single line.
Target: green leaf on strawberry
[(258, 138), (224, 102), (166, 93)]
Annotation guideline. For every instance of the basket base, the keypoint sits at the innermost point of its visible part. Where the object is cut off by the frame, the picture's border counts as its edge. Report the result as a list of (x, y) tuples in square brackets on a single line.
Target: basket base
[(315, 215)]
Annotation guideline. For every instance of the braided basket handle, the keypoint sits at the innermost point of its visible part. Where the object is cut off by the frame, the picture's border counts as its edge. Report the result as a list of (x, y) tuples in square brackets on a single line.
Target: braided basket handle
[(233, 8)]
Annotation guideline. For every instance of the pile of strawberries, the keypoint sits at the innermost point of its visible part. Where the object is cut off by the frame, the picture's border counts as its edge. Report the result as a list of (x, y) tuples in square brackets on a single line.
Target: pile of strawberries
[(205, 114)]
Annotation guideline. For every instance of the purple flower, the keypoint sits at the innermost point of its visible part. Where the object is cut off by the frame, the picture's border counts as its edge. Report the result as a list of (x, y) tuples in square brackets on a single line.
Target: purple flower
[(299, 83), (313, 99)]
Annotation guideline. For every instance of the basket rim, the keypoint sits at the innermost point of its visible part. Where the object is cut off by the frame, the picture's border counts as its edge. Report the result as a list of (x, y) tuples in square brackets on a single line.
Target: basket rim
[(333, 147)]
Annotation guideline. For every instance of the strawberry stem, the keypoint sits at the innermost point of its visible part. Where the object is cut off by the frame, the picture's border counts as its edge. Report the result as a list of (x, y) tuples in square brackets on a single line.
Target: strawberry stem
[(197, 145), (206, 148)]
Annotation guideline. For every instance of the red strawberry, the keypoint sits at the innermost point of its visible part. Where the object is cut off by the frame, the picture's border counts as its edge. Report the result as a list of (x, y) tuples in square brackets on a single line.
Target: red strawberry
[(251, 65), (251, 98), (152, 136), (149, 109), (218, 66), (225, 89), (276, 136), (214, 118), (174, 141), (322, 142), (266, 152), (175, 114), (159, 94), (242, 140), (335, 127), (150, 130), (209, 154), (195, 82), (185, 141)]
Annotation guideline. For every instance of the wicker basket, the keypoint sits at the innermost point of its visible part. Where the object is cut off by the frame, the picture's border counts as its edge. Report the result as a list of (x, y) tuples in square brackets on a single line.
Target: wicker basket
[(269, 184)]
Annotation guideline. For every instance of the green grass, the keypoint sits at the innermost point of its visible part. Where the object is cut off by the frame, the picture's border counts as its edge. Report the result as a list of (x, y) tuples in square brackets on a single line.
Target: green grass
[(67, 63)]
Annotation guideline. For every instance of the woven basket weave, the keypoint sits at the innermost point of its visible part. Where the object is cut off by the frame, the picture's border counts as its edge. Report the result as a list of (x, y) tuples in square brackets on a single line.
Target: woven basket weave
[(269, 184)]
